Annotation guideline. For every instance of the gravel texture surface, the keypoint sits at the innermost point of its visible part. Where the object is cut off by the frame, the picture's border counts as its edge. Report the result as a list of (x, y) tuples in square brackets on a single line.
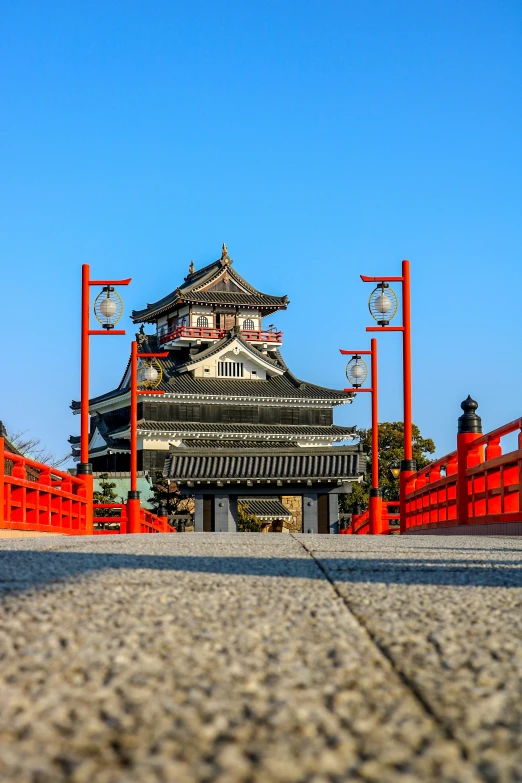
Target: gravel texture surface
[(254, 657)]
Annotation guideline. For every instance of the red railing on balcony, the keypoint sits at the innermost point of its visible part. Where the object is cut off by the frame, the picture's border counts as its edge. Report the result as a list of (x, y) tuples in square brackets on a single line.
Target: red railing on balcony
[(209, 333), (49, 501), (262, 336), (480, 484)]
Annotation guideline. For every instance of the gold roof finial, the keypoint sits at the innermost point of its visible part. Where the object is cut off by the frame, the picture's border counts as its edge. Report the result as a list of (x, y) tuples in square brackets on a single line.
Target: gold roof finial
[(191, 267), (224, 253)]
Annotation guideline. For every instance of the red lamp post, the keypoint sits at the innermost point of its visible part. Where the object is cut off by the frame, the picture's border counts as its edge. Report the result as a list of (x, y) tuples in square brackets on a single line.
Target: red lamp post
[(108, 309), (357, 372), (383, 306), (133, 499)]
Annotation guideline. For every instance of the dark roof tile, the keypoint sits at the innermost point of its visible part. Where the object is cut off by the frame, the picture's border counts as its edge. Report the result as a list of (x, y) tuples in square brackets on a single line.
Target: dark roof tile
[(332, 463), (265, 508)]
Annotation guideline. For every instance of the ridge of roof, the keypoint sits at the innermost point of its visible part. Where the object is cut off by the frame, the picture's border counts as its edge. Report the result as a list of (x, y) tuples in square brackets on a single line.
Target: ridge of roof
[(294, 430), (200, 277)]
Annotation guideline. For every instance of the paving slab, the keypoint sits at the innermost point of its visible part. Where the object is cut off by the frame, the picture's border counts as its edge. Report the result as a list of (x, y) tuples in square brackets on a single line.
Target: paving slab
[(253, 657), (449, 618)]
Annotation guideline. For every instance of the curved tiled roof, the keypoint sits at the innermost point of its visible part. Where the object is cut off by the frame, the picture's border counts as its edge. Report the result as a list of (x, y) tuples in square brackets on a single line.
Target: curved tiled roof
[(295, 431), (278, 387), (265, 508), (200, 443), (333, 463), (190, 291), (236, 298)]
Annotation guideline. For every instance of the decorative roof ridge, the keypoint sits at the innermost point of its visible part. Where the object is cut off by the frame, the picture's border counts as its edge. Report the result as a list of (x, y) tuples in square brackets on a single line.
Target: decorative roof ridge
[(121, 386), (195, 280), (280, 359), (293, 430), (305, 451)]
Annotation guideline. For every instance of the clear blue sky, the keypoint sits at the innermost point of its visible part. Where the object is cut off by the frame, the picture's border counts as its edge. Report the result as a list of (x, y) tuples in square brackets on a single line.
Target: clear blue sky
[(318, 139)]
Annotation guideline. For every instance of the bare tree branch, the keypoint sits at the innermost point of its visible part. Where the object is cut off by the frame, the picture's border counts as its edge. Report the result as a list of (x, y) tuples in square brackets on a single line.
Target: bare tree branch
[(32, 447)]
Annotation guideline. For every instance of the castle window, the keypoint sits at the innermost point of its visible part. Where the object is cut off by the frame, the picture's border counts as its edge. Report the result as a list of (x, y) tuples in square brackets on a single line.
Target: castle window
[(202, 321), (230, 369), (249, 325)]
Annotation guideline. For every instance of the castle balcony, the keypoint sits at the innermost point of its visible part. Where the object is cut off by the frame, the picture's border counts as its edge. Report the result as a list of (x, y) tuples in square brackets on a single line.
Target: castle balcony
[(191, 333)]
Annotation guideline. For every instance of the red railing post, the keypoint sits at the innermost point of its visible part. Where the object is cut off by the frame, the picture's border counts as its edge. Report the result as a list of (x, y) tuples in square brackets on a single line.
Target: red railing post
[(133, 513), (88, 487), (2, 475), (469, 429)]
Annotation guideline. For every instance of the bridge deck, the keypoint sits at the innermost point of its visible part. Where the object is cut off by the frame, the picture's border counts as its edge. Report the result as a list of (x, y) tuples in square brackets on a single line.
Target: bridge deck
[(277, 658)]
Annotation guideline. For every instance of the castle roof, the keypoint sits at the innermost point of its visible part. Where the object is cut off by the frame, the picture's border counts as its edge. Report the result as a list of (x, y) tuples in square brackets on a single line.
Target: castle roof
[(215, 284), (340, 462), (178, 380), (207, 430)]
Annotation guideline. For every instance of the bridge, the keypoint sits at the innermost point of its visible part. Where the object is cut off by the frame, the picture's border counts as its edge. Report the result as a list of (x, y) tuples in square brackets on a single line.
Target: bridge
[(474, 490), (284, 658)]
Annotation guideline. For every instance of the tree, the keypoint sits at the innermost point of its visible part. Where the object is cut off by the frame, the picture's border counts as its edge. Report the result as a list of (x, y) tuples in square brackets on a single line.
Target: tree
[(246, 522), (167, 498), (105, 494), (32, 447), (391, 435)]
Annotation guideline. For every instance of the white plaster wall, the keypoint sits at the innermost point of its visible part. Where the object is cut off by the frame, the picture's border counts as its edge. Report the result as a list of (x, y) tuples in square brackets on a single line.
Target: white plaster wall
[(160, 443), (251, 314), (197, 311), (251, 370)]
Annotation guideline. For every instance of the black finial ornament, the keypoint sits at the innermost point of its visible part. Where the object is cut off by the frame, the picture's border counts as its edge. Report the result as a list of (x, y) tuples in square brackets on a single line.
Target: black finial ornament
[(470, 421)]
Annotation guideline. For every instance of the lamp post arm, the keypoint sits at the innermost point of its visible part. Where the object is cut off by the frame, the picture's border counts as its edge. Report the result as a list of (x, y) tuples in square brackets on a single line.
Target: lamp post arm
[(382, 279), (354, 353), (355, 390), (110, 282)]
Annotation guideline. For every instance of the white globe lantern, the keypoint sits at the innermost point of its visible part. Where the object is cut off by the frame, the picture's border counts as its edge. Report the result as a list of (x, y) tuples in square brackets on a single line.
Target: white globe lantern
[(383, 304), (357, 371), (149, 374), (108, 307)]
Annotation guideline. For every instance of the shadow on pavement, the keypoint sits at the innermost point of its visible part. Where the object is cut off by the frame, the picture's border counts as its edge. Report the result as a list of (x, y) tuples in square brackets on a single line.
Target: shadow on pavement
[(22, 570)]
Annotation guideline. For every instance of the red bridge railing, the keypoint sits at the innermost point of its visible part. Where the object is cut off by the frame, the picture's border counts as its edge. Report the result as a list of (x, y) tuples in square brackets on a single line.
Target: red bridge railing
[(118, 524), (476, 485), (37, 497), (148, 522), (360, 524)]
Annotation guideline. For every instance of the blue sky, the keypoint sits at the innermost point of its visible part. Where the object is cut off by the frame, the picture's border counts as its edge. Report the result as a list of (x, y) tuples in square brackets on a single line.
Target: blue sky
[(318, 139)]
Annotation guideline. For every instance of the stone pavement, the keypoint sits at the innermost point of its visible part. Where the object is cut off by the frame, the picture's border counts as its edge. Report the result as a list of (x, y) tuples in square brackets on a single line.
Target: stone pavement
[(254, 657)]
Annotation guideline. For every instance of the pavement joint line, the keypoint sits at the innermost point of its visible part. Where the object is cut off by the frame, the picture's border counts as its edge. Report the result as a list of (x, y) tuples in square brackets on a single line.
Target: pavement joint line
[(443, 728)]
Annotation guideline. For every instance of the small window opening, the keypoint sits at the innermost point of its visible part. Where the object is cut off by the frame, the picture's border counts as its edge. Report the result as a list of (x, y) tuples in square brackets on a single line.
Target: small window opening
[(230, 369)]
